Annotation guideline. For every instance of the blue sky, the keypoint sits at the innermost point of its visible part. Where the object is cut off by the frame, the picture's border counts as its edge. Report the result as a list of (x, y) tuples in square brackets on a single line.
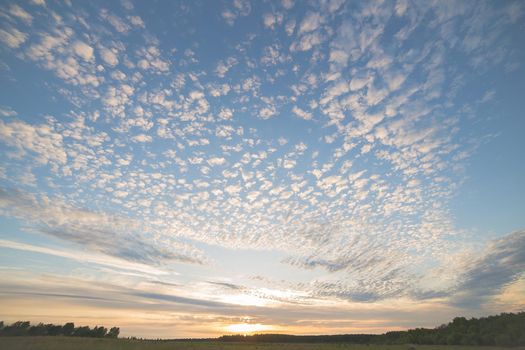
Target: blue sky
[(192, 168)]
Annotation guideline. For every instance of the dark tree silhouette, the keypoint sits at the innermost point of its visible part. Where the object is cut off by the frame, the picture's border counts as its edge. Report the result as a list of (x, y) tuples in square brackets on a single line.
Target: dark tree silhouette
[(506, 329), (113, 332), (23, 328), (99, 332), (68, 328)]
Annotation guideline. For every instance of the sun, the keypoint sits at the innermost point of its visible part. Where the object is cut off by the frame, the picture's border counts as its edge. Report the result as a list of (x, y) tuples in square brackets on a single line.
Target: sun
[(244, 328)]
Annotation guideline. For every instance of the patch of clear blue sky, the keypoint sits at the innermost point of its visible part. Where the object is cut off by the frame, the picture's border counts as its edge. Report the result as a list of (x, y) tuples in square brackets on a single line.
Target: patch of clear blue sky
[(492, 197)]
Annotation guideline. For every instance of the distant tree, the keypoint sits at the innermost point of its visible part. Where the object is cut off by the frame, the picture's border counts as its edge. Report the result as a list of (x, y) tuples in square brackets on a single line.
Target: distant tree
[(53, 329), (503, 340), (113, 332), (99, 332), (18, 328), (68, 328), (23, 328), (39, 330), (84, 331)]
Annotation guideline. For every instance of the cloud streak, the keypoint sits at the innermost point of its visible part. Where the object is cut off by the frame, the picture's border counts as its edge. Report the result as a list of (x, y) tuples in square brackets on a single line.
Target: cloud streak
[(501, 264), (83, 257)]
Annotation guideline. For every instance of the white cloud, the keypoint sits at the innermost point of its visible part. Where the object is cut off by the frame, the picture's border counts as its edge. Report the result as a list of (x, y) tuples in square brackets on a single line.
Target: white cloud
[(117, 237), (301, 113), (232, 189), (224, 66), (401, 7), (83, 50), (310, 22), (240, 8), (394, 81), (115, 21), (334, 5), (307, 42), (137, 21), (336, 90), (142, 138), (358, 83), (109, 57), (270, 20), (39, 140), (7, 112), (224, 131), (216, 161), (12, 37), (83, 257), (267, 112), (229, 17), (287, 4), (290, 27), (226, 114), (339, 56), (243, 6), (272, 56), (20, 13), (289, 163)]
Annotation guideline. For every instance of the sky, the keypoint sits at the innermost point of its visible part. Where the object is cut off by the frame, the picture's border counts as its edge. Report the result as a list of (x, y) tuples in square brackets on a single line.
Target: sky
[(198, 168)]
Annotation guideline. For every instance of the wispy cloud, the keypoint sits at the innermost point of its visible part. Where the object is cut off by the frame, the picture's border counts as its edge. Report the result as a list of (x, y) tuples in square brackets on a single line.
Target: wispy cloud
[(487, 275), (81, 256), (111, 235)]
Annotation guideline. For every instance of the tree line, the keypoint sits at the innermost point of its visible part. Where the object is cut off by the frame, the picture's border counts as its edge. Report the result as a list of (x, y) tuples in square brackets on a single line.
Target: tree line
[(506, 329), (24, 328)]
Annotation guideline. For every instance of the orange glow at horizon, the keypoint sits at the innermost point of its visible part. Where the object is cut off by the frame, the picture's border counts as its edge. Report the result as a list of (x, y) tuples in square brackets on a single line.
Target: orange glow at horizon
[(244, 328)]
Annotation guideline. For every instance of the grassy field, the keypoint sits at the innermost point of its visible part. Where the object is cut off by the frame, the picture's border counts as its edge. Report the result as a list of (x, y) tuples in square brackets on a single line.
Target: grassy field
[(66, 343)]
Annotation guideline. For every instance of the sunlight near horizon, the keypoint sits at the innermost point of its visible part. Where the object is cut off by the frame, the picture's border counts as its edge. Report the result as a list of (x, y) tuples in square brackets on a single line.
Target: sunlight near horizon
[(245, 328)]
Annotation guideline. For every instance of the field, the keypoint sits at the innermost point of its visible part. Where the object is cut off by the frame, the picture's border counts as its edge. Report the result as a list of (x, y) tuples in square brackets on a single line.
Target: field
[(66, 343)]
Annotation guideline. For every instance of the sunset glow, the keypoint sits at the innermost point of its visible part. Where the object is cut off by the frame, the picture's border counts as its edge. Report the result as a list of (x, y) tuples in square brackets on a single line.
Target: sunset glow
[(246, 328)]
